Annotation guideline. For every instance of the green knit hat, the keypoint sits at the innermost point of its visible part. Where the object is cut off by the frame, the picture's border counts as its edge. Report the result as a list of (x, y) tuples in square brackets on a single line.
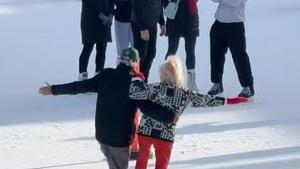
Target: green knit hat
[(130, 56)]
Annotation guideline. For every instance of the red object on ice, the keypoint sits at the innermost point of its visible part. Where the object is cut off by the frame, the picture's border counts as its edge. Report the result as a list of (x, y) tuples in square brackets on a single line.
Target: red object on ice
[(237, 100)]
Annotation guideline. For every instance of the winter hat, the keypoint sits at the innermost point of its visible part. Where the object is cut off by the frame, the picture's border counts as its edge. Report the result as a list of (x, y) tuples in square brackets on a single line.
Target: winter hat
[(130, 57)]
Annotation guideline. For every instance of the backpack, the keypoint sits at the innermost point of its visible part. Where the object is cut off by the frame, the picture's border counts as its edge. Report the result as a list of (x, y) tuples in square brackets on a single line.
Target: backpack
[(171, 9)]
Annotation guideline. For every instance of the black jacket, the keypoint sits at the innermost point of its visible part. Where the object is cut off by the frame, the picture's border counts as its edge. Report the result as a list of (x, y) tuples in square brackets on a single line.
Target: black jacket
[(92, 29), (123, 10), (147, 13), (185, 23), (115, 111)]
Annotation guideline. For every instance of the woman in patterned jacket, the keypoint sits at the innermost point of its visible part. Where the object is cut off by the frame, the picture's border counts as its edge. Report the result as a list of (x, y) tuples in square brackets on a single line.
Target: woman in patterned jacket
[(162, 104)]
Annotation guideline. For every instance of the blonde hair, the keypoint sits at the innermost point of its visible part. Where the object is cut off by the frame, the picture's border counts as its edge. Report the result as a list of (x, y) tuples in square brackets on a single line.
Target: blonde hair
[(171, 72)]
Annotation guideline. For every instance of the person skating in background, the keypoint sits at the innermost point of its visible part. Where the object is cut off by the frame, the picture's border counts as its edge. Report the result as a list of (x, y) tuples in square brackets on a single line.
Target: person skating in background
[(115, 111), (162, 104), (145, 16), (96, 20), (186, 25), (123, 31), (228, 31)]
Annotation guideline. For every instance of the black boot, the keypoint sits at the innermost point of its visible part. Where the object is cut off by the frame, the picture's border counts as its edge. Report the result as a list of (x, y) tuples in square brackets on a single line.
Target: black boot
[(247, 92), (217, 88)]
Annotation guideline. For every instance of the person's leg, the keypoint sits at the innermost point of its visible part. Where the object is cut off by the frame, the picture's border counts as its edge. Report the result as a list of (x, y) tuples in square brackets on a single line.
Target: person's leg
[(218, 49), (142, 47), (117, 157), (100, 56), (237, 45), (163, 151), (145, 146), (118, 34), (135, 148), (135, 34), (146, 62), (84, 57), (190, 43), (130, 35), (173, 43), (122, 36)]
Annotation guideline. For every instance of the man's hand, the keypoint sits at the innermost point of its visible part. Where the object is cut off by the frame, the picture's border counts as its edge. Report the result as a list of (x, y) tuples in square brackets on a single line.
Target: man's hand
[(145, 35), (46, 90), (106, 20), (163, 30)]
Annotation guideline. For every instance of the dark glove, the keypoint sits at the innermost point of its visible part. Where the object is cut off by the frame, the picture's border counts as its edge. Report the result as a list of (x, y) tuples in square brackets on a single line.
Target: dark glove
[(106, 20), (237, 100)]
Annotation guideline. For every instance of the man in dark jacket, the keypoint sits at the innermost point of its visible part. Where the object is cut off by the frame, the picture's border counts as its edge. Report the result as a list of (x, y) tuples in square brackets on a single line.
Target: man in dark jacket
[(115, 111), (96, 20), (145, 16)]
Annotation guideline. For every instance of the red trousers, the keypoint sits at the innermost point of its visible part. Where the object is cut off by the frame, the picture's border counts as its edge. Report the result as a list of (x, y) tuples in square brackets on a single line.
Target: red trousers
[(135, 144), (162, 152)]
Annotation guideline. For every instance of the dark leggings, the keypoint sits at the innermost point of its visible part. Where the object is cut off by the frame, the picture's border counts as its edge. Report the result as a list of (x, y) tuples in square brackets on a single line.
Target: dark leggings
[(190, 43), (85, 55)]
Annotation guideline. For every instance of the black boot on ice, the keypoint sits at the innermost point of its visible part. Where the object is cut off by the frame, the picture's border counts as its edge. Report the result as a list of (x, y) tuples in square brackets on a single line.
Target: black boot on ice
[(247, 92), (217, 88)]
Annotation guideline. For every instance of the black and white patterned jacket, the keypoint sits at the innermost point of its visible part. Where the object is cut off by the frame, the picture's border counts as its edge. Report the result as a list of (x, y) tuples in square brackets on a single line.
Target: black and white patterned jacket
[(169, 99)]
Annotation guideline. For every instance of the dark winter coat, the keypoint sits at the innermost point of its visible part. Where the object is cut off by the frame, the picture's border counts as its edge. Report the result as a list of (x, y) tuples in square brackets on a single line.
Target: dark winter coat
[(92, 29), (147, 13), (185, 23), (115, 111), (123, 10)]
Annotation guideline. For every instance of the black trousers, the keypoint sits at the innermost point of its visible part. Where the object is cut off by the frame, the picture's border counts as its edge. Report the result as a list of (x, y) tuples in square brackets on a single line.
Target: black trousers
[(85, 55), (224, 36), (147, 49), (190, 43)]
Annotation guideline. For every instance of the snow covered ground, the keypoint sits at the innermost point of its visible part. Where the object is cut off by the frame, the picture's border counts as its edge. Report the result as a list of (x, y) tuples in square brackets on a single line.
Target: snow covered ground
[(41, 41)]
